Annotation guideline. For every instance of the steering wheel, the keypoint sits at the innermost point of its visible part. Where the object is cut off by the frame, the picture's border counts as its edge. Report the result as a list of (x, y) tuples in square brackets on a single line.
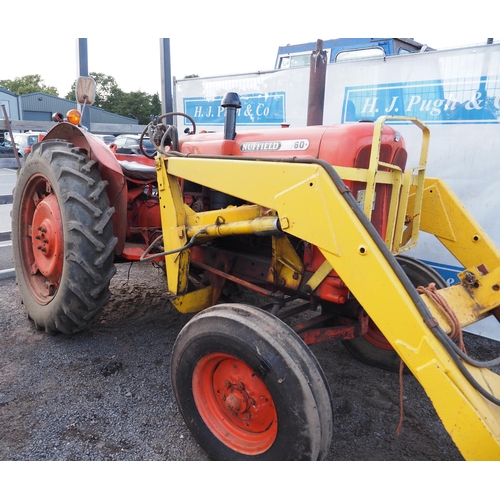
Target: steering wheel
[(161, 134)]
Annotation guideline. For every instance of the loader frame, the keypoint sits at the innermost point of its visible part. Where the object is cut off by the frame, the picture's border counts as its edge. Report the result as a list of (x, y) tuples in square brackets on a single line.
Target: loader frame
[(465, 394)]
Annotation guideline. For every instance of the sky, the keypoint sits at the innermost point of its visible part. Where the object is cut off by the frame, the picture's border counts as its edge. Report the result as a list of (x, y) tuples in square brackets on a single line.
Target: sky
[(214, 38)]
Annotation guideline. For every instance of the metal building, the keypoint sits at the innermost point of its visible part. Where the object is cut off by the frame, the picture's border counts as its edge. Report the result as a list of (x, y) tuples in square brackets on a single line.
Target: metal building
[(40, 107), (11, 102)]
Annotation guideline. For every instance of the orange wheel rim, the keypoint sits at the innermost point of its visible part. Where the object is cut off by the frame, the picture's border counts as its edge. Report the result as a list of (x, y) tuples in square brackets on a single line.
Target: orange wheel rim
[(41, 239), (375, 337), (46, 238), (235, 404)]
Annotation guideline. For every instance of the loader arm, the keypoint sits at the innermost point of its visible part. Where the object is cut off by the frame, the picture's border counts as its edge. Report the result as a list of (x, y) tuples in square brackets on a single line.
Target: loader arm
[(334, 222)]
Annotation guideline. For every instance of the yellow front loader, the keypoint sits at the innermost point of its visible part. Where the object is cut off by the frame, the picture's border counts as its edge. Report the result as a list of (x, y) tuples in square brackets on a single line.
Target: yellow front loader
[(305, 199)]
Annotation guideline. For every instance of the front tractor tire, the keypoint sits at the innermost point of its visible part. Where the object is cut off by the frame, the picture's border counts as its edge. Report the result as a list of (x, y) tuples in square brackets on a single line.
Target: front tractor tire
[(249, 388), (62, 238)]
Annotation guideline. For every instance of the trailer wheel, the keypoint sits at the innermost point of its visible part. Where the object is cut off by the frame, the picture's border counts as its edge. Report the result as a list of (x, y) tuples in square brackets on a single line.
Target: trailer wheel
[(62, 237), (249, 388), (373, 348)]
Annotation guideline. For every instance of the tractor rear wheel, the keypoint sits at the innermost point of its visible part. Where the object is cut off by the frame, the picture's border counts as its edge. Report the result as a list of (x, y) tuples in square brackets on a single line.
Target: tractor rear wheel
[(373, 348), (249, 388), (62, 237)]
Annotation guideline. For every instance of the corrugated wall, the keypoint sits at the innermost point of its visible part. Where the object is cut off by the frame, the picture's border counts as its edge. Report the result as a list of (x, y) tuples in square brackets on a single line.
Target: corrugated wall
[(10, 100), (39, 102)]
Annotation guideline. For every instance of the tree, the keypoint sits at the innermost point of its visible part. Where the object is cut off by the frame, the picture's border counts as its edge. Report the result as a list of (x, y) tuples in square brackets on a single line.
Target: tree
[(110, 97), (155, 104), (27, 85), (138, 105)]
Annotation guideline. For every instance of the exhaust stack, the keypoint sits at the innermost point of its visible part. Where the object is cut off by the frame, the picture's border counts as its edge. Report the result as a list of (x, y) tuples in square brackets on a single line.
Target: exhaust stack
[(317, 84), (231, 102)]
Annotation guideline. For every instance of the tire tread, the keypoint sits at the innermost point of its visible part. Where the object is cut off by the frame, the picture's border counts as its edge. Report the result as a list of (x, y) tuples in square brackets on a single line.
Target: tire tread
[(88, 236)]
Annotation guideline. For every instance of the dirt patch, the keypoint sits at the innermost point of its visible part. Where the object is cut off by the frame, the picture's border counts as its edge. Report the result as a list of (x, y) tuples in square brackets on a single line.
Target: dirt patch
[(106, 394)]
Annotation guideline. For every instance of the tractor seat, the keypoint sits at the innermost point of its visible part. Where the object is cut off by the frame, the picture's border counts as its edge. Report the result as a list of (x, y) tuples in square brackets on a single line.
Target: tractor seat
[(138, 171)]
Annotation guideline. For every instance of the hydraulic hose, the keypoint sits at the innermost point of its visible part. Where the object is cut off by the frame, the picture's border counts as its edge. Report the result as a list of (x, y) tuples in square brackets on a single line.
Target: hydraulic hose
[(189, 244)]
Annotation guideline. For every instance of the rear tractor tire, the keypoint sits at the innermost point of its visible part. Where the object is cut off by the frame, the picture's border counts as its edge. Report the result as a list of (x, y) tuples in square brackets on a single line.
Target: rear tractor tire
[(62, 238), (373, 348), (249, 388)]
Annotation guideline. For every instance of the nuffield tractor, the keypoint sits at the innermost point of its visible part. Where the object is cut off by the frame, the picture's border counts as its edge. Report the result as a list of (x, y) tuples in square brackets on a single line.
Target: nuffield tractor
[(316, 220)]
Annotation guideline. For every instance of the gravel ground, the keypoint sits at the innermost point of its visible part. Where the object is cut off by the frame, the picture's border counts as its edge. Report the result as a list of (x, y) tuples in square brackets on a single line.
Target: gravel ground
[(106, 394)]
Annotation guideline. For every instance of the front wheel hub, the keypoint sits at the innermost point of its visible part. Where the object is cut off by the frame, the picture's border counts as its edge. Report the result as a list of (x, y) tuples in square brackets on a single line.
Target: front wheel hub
[(236, 399), (47, 239), (235, 403)]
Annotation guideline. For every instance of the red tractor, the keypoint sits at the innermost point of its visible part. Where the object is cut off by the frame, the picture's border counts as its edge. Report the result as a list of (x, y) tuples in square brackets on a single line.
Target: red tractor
[(245, 380)]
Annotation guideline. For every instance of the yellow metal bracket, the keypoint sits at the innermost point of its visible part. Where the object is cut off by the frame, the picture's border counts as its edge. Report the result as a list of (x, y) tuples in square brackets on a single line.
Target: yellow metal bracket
[(173, 220), (286, 268), (195, 301), (403, 221), (470, 300), (445, 216), (321, 273)]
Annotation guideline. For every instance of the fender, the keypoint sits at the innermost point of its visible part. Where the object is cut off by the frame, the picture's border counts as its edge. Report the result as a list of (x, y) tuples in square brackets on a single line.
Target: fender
[(110, 171)]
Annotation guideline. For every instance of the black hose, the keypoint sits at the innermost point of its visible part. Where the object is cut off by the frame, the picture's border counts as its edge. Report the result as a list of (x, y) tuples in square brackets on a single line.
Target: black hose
[(144, 257)]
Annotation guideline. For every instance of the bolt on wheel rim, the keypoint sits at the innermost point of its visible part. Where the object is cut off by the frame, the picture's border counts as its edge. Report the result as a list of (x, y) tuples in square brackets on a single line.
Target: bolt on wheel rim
[(235, 404)]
